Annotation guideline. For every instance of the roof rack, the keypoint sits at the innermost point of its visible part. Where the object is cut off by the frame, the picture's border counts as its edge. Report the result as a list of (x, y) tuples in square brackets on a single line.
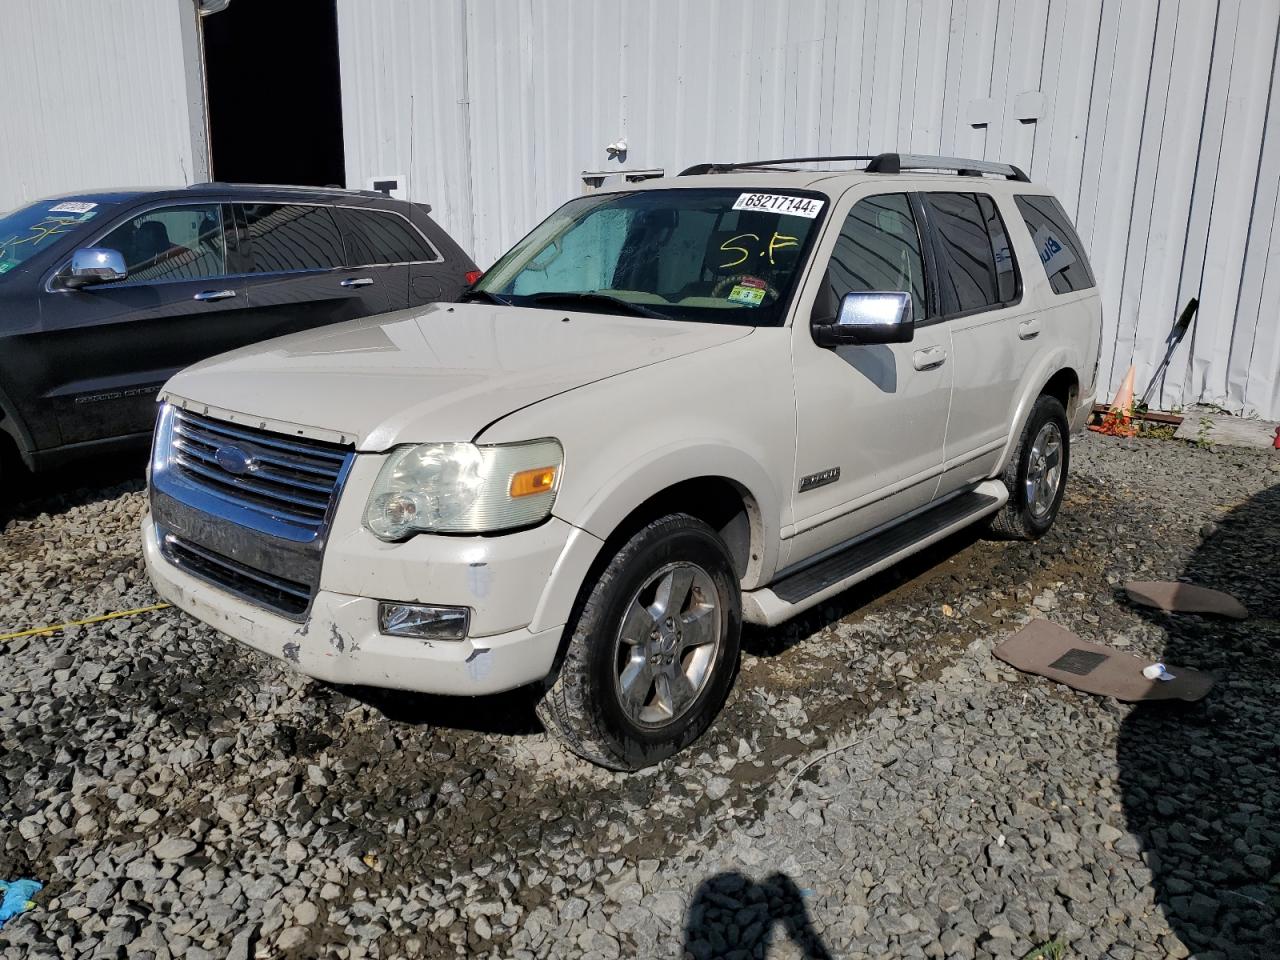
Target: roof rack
[(881, 163)]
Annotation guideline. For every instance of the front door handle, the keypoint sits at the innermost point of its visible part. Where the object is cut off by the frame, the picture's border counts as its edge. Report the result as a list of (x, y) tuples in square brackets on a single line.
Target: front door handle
[(1029, 329), (929, 358), (356, 282), (207, 296)]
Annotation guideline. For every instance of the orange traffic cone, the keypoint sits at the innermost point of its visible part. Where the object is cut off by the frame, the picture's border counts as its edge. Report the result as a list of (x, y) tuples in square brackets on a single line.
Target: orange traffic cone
[(1119, 419)]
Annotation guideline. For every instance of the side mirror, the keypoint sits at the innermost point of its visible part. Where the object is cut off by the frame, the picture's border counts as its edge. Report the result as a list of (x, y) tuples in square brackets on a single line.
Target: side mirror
[(90, 265), (868, 317)]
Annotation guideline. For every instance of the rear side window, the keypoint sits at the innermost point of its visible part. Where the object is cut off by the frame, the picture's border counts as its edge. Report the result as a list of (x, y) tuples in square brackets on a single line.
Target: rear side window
[(977, 268), (184, 242), (374, 237), (1061, 253), (284, 238)]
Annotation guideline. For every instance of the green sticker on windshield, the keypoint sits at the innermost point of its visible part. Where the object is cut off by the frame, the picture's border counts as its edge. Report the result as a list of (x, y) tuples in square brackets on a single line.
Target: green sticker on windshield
[(751, 296), (6, 266)]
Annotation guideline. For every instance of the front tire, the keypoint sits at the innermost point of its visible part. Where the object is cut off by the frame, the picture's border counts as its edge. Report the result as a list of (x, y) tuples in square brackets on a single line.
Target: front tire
[(653, 651), (1036, 475)]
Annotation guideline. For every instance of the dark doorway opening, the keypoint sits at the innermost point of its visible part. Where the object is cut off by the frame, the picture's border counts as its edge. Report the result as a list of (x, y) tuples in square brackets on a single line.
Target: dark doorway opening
[(275, 95)]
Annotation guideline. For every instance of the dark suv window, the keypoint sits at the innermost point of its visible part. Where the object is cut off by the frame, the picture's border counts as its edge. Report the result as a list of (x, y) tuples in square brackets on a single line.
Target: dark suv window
[(183, 242), (285, 237), (373, 238), (1061, 252), (878, 249), (977, 266)]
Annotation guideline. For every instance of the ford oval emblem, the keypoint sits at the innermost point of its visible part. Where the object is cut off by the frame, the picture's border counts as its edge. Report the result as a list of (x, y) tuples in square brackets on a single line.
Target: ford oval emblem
[(233, 460)]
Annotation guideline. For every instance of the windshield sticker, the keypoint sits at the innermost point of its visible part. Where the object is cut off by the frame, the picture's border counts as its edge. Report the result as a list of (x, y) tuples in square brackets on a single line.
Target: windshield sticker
[(806, 207), (72, 206), (751, 296), (6, 266)]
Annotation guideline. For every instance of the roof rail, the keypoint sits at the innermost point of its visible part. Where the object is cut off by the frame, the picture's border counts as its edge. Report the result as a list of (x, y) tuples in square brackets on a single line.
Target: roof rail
[(881, 163)]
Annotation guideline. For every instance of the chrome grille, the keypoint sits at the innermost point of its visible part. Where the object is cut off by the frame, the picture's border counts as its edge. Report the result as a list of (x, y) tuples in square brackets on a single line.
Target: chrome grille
[(290, 480)]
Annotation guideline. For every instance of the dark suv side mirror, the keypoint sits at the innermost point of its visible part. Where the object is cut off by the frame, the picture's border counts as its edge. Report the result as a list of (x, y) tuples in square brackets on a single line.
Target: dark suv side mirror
[(868, 317), (90, 265)]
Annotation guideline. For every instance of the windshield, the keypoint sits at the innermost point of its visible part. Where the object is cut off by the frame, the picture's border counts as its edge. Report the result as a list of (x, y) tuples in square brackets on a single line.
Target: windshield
[(719, 255), (29, 230)]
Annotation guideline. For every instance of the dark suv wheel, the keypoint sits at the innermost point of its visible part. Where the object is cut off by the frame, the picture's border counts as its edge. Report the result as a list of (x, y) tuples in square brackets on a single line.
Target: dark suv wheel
[(653, 651), (1036, 475)]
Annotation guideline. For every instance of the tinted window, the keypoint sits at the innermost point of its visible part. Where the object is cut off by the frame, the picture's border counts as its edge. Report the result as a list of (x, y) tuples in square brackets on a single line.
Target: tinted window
[(275, 237), (878, 249), (977, 266), (172, 243), (374, 237), (1061, 252)]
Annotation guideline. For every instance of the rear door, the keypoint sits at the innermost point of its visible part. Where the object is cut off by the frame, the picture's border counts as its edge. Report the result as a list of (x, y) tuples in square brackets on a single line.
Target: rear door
[(108, 348), (385, 246), (981, 299), (295, 265)]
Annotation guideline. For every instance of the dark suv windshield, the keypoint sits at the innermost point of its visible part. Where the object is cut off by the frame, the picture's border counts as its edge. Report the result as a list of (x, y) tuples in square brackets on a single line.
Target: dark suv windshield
[(29, 230), (720, 255)]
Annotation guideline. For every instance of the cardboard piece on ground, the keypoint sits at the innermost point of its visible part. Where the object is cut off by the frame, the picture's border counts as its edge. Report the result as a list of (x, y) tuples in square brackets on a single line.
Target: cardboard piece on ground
[(1055, 652), (1185, 598)]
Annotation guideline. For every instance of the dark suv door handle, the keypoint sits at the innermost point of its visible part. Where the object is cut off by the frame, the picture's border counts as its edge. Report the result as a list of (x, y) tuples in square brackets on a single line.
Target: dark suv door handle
[(208, 295), (356, 282)]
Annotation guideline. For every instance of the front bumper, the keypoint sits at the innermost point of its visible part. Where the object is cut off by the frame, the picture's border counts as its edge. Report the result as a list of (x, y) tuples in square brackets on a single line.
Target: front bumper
[(339, 641)]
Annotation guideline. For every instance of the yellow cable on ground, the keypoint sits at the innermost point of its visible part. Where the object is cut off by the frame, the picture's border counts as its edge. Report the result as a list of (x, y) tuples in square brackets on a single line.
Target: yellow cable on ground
[(80, 623)]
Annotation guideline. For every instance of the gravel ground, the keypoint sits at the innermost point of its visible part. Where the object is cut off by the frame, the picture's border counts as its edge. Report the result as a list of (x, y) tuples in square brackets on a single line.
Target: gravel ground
[(879, 784)]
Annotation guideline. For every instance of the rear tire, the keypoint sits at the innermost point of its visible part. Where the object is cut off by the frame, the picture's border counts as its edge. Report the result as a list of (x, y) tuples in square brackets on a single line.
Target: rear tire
[(653, 651), (1036, 475)]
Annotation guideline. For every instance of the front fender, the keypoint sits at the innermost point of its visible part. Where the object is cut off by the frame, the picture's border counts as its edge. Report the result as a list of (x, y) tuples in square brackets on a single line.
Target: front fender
[(614, 496)]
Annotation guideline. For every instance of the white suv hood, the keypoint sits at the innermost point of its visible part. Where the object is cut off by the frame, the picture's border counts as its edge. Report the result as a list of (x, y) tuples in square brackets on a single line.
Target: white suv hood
[(443, 372)]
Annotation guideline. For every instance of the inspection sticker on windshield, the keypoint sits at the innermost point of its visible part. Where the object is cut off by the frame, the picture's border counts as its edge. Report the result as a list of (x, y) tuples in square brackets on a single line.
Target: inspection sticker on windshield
[(806, 207), (72, 206), (752, 296)]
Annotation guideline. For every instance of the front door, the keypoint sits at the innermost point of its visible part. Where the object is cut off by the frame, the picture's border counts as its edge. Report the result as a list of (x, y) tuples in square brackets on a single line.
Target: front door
[(110, 347), (870, 419)]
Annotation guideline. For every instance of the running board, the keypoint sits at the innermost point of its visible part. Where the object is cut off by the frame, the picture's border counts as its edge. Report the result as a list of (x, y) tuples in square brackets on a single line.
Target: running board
[(808, 587)]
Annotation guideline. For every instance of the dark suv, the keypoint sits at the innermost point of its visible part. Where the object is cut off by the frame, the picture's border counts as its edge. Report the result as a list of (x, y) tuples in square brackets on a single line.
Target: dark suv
[(104, 296)]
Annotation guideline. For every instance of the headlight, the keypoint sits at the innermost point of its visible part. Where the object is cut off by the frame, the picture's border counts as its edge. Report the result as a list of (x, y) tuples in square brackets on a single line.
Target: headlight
[(464, 488)]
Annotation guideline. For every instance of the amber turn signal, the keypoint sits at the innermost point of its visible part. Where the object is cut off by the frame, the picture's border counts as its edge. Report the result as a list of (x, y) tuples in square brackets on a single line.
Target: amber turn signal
[(528, 482)]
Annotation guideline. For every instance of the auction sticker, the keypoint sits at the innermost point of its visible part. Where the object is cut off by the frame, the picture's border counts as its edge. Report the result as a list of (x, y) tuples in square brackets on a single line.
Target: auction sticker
[(791, 206), (752, 296), (72, 206)]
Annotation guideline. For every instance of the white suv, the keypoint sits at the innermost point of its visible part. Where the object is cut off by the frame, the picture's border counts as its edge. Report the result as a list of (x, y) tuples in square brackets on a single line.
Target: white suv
[(671, 408)]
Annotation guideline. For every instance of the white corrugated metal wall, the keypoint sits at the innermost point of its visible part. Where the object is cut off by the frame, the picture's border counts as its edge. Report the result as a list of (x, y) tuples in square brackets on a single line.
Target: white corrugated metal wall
[(1157, 122), (101, 94)]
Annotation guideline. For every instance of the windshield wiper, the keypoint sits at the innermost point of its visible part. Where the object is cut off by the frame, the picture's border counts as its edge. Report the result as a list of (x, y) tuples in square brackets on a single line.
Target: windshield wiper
[(570, 297), (483, 295)]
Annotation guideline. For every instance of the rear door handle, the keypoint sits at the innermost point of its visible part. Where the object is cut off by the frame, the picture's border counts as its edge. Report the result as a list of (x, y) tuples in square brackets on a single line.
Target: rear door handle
[(1029, 329), (929, 358), (206, 296), (356, 282)]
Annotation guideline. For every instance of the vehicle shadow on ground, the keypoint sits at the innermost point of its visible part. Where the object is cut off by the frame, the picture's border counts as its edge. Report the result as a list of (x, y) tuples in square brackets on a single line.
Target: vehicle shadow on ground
[(57, 491), (506, 714), (1201, 782), (928, 563), (730, 913)]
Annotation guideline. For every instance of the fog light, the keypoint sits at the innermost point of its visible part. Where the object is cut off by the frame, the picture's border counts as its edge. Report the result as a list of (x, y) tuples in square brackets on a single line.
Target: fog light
[(423, 622)]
